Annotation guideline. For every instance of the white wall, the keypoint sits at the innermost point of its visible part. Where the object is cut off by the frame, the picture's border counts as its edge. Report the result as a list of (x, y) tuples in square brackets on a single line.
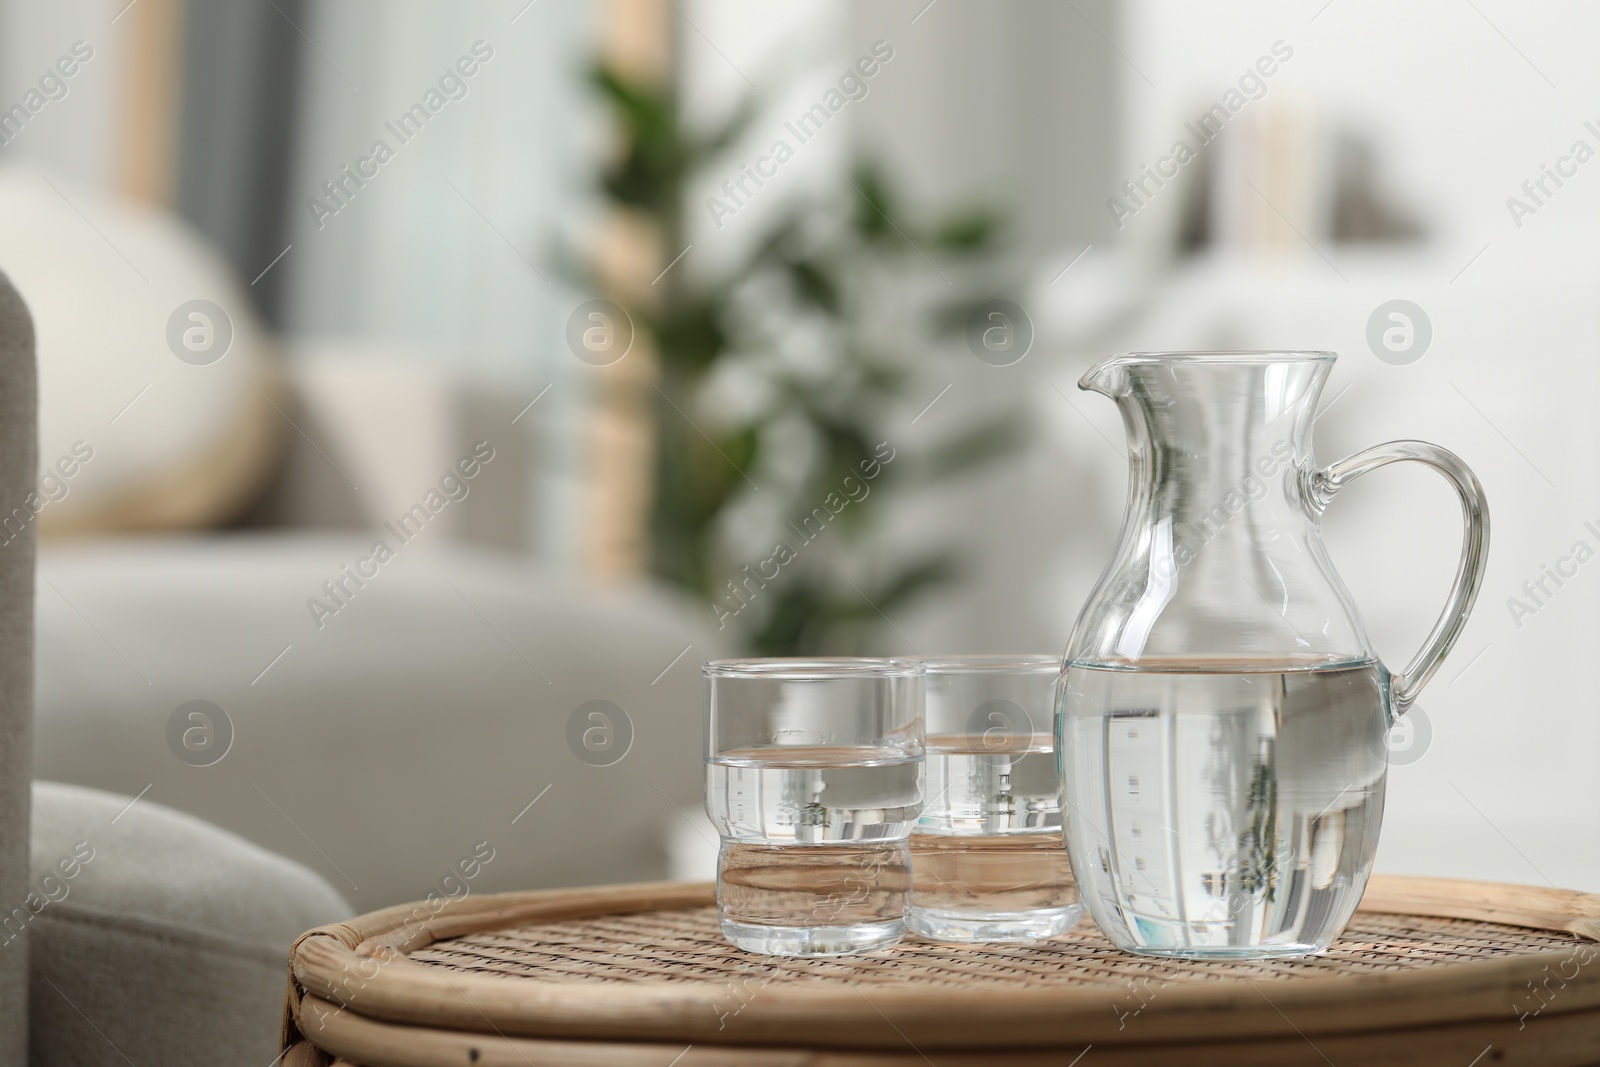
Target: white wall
[(74, 137), (453, 252), (1455, 94), (1506, 788), (410, 258)]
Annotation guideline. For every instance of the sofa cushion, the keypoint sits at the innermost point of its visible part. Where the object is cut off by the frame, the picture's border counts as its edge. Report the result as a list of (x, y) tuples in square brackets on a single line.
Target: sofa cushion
[(156, 938), (154, 373), (382, 735)]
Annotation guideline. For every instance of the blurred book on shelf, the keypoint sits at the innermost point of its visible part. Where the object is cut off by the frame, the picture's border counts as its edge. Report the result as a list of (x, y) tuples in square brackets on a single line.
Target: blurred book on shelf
[(1283, 177)]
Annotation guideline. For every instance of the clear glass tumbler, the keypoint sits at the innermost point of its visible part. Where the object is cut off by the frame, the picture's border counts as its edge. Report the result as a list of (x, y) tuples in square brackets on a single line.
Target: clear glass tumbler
[(814, 780), (987, 856)]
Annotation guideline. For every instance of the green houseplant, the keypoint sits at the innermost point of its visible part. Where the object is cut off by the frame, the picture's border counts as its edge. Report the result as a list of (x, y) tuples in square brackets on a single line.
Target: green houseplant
[(772, 457)]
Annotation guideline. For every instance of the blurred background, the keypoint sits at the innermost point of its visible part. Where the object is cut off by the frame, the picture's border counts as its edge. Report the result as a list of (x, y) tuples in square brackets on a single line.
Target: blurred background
[(717, 286)]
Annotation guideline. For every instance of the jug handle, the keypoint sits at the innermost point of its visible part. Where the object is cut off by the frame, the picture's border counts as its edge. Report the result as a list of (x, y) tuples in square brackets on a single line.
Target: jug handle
[(1405, 686)]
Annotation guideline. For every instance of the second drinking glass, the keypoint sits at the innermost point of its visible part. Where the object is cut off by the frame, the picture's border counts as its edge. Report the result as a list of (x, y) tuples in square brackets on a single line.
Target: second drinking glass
[(988, 859)]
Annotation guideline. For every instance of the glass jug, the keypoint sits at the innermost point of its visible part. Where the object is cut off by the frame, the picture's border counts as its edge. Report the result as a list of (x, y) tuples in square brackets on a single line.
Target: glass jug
[(1221, 715)]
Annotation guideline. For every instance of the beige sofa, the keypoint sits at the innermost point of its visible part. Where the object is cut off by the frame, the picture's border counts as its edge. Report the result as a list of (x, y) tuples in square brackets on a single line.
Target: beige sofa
[(123, 920), (443, 706)]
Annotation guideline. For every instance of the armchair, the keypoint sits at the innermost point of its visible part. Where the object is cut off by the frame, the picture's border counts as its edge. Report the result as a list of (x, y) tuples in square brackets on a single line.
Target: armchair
[(130, 932)]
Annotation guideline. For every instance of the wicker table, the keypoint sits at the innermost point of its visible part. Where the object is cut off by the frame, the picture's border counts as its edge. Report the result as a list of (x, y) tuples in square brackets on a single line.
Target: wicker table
[(1429, 972)]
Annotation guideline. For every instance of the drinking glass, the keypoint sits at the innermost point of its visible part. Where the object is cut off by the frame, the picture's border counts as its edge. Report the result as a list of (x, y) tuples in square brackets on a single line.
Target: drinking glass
[(813, 779), (988, 861)]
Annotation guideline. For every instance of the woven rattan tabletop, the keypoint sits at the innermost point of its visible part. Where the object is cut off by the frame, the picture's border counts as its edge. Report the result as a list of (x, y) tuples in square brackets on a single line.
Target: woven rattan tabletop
[(686, 946), (640, 974)]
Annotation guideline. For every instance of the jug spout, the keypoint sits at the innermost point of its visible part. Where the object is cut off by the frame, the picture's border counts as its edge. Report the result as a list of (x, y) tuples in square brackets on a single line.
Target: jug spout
[(1108, 377)]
